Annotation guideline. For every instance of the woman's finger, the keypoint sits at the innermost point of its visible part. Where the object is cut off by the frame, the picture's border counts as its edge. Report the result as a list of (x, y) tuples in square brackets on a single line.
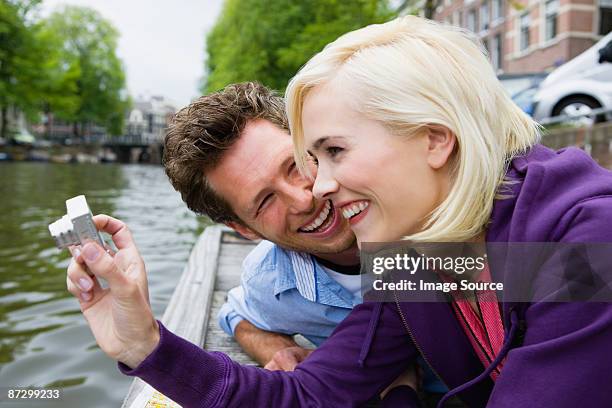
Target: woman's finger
[(82, 297), (77, 274), (72, 287), (119, 231), (75, 251), (104, 266)]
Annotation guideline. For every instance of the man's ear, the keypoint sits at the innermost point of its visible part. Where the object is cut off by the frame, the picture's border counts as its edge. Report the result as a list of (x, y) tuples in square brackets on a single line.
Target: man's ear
[(441, 143), (243, 230)]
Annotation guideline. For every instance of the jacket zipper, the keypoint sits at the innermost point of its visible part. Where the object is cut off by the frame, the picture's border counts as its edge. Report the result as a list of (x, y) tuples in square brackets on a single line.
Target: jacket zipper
[(399, 309)]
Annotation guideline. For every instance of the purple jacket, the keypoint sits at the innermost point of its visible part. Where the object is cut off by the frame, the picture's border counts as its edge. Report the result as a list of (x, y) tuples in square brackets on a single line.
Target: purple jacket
[(563, 358)]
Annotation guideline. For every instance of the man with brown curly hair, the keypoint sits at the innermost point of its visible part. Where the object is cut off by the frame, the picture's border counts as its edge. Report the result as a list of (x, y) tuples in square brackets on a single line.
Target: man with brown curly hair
[(230, 156)]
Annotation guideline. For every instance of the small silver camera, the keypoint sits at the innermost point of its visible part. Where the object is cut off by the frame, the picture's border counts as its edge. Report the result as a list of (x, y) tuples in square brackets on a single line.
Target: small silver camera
[(77, 226)]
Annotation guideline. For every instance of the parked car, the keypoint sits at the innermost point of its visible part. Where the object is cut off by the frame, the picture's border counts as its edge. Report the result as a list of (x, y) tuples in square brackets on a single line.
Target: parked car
[(522, 88), (525, 99), (578, 87), (515, 83)]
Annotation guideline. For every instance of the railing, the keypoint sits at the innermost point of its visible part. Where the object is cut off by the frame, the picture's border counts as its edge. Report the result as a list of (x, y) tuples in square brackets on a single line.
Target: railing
[(595, 139), (126, 140), (554, 120), (146, 139)]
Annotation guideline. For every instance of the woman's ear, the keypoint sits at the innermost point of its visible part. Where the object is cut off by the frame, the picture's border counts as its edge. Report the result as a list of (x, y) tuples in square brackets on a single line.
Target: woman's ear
[(243, 230), (441, 143)]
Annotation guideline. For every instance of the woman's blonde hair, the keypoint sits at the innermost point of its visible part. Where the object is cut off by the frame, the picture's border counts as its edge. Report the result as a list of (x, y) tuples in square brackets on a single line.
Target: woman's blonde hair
[(411, 73)]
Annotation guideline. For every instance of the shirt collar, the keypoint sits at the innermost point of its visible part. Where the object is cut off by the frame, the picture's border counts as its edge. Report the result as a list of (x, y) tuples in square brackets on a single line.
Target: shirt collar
[(296, 271), (299, 270)]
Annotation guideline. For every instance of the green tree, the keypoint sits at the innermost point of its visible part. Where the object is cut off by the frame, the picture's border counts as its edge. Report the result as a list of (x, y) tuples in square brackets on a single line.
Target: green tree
[(87, 68), (19, 71), (269, 40), (59, 87)]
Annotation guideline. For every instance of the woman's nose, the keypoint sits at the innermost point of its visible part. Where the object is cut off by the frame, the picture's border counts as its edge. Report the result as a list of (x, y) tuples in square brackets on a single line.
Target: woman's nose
[(324, 185)]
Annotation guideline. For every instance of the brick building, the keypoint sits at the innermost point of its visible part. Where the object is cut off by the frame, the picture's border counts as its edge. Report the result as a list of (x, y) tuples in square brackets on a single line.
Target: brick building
[(525, 36)]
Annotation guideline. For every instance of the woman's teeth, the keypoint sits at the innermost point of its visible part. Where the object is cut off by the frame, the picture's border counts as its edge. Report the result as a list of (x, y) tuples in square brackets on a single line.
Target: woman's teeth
[(320, 219), (354, 209)]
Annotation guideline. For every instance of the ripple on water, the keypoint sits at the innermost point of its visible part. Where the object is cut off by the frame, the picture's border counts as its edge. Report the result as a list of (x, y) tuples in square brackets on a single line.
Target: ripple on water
[(44, 338)]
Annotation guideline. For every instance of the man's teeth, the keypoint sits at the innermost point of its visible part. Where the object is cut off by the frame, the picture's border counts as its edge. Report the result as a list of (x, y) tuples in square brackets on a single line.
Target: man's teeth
[(320, 219), (354, 209)]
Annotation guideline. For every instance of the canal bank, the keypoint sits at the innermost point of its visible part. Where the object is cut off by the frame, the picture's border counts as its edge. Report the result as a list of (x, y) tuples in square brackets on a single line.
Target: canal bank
[(82, 153)]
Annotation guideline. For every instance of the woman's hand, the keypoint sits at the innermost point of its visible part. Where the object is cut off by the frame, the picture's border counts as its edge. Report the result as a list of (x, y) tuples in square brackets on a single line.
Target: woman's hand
[(119, 317)]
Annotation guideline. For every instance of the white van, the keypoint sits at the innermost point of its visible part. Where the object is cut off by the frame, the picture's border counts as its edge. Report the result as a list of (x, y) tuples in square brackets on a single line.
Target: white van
[(579, 86)]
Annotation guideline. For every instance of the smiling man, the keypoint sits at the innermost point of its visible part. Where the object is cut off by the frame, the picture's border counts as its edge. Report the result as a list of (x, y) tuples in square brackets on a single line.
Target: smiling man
[(230, 156)]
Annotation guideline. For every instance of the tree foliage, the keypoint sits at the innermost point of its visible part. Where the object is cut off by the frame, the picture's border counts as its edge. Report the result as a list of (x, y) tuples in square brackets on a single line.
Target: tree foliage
[(19, 75), (87, 66), (66, 65), (269, 40)]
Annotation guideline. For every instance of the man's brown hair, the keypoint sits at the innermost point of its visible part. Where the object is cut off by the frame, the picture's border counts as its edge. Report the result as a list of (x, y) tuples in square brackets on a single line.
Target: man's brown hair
[(200, 133)]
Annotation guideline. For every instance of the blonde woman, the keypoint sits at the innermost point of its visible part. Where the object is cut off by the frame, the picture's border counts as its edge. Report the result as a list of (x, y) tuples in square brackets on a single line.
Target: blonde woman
[(414, 138)]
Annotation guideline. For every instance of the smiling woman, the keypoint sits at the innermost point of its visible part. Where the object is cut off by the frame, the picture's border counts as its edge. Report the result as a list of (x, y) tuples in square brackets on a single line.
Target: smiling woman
[(438, 92), (350, 172)]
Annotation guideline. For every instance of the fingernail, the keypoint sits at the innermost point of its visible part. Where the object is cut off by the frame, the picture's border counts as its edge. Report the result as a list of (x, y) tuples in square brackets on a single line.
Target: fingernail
[(90, 252), (86, 296), (76, 253), (84, 284)]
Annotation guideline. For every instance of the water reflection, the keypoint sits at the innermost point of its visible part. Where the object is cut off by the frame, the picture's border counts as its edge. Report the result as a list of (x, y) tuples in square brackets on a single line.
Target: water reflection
[(43, 338)]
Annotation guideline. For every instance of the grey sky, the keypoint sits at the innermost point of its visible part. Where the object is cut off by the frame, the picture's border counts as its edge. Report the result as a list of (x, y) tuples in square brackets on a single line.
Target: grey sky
[(161, 44)]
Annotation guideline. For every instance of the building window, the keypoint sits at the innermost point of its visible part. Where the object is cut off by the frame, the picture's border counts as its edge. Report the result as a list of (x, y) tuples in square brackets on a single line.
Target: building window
[(484, 16), (605, 16), (497, 9), (524, 31), (551, 13), (471, 20)]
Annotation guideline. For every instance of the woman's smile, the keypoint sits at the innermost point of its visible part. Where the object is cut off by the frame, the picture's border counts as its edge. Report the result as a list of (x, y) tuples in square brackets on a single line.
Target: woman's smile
[(354, 211)]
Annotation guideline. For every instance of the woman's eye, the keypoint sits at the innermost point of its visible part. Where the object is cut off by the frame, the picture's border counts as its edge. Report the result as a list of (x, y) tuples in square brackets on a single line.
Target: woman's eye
[(333, 150)]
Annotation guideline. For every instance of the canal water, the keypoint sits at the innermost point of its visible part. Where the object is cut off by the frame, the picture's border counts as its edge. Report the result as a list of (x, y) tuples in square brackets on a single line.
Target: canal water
[(44, 340)]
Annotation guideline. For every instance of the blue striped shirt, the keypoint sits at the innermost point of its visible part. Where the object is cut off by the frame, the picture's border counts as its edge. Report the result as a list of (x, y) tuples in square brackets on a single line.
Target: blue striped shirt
[(287, 292)]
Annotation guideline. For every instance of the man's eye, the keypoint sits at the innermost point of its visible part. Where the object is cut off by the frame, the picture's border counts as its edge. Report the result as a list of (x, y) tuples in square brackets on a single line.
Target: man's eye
[(264, 203), (292, 167)]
